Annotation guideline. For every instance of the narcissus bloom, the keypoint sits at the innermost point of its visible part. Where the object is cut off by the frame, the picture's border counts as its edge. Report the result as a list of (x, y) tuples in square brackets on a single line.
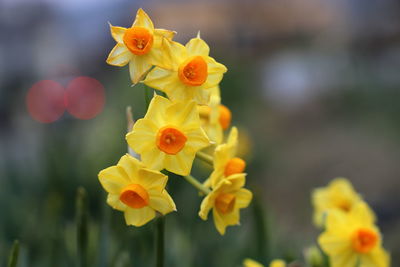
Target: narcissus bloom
[(137, 191), (169, 135), (352, 239), (190, 71), (253, 263), (226, 199), (338, 195), (139, 45), (225, 161)]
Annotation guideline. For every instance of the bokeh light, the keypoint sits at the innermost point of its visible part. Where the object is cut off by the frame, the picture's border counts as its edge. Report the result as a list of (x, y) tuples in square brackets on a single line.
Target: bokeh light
[(45, 101), (84, 97)]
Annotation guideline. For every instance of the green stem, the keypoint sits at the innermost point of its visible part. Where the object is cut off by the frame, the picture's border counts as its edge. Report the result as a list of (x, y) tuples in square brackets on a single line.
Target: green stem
[(193, 181), (148, 95), (160, 242), (13, 258), (82, 226), (205, 157)]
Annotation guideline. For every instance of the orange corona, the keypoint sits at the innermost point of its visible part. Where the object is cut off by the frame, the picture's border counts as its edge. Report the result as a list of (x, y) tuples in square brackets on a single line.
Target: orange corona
[(225, 116), (225, 202), (234, 165), (138, 40), (364, 240), (194, 71), (170, 140), (134, 196)]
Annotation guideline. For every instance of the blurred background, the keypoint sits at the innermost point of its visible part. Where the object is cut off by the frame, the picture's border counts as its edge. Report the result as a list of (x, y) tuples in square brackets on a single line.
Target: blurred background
[(312, 84)]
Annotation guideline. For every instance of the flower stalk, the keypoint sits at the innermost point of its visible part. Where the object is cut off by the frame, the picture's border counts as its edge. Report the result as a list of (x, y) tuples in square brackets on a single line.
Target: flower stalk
[(193, 181), (13, 258), (205, 157)]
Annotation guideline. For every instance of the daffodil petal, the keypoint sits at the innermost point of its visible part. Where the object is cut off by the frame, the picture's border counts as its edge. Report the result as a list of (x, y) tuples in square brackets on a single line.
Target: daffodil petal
[(197, 140), (197, 47), (131, 166), (162, 202), (117, 33), (157, 109), (219, 222), (243, 198), (141, 140), (115, 203), (113, 179), (143, 20), (159, 78), (180, 163), (206, 206), (153, 180), (154, 158), (119, 56), (174, 55), (139, 217), (138, 67)]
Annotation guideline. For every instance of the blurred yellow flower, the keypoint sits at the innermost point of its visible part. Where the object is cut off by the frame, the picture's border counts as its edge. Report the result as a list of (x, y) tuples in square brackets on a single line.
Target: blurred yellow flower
[(169, 135), (338, 195), (226, 199), (137, 191), (352, 239), (209, 116), (253, 263), (139, 45), (188, 72), (277, 263), (225, 162)]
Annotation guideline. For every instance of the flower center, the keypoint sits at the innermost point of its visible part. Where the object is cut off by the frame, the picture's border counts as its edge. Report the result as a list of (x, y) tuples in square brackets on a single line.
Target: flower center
[(234, 165), (138, 40), (225, 116), (170, 140), (193, 71), (225, 202), (364, 240), (134, 196)]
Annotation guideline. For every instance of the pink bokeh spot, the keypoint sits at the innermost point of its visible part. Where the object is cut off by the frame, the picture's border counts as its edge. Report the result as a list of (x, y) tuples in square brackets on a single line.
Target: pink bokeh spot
[(45, 101), (84, 97)]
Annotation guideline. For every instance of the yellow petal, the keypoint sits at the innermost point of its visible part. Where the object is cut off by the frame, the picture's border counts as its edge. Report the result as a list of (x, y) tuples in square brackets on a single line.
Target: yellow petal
[(201, 94), (153, 180), (219, 222), (197, 47), (115, 203), (138, 68), (131, 166), (113, 179), (153, 158), (346, 259), (206, 205), (139, 217), (334, 244), (180, 163), (119, 56), (143, 20), (184, 114), (197, 140), (157, 109), (117, 33), (363, 213), (243, 198), (160, 79), (143, 136), (161, 201), (163, 34), (237, 181), (377, 258), (174, 55)]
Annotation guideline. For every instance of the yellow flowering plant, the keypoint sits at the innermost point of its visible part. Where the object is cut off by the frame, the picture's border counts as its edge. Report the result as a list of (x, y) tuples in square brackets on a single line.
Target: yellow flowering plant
[(183, 118)]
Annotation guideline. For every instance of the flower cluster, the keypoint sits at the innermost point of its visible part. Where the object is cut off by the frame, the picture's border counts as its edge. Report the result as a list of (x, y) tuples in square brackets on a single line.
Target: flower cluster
[(351, 236), (177, 127)]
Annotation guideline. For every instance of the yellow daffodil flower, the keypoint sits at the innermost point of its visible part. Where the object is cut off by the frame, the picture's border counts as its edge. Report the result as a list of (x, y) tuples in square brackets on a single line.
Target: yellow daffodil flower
[(190, 71), (253, 263), (169, 135), (225, 161), (226, 199), (352, 239), (215, 118), (139, 45), (135, 190), (338, 195)]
